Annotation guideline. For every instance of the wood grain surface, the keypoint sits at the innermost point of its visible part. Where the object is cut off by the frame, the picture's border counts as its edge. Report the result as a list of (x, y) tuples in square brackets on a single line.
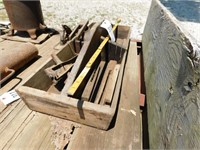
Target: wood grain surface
[(172, 75)]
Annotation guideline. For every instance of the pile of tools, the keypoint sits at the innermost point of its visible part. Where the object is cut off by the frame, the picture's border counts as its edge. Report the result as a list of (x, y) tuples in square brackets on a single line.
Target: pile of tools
[(94, 71), (83, 79), (88, 68)]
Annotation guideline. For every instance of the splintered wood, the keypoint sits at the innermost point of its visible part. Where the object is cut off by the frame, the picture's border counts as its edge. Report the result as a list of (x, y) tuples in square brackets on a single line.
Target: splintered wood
[(62, 131)]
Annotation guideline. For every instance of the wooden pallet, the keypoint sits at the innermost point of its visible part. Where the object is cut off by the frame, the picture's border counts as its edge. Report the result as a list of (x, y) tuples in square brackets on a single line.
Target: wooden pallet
[(22, 128)]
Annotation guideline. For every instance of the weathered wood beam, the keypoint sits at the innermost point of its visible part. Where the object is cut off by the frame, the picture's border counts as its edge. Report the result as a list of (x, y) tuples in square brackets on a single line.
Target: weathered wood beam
[(172, 75), (110, 66)]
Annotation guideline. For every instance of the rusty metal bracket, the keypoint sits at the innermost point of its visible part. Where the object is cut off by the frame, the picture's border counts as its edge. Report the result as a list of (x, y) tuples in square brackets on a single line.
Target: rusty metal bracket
[(4, 28), (13, 59), (58, 71), (77, 35), (64, 36), (9, 73)]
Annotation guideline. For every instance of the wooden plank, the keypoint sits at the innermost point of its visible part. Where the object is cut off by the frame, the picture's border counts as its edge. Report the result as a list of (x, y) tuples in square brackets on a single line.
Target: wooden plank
[(16, 117), (47, 143), (90, 85), (45, 51), (67, 108), (125, 132), (101, 68), (131, 94), (120, 78), (41, 38), (33, 134), (110, 87), (171, 63), (17, 132), (106, 75), (13, 126), (7, 118)]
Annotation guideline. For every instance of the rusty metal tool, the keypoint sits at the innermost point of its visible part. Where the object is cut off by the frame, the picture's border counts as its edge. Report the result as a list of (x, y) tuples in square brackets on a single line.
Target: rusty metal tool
[(25, 16), (56, 72), (4, 27), (81, 29), (88, 66), (77, 35), (64, 36), (13, 59)]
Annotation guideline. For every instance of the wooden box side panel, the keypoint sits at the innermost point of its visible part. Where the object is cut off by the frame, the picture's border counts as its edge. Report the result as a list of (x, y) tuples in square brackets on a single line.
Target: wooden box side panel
[(171, 61), (39, 79), (67, 108)]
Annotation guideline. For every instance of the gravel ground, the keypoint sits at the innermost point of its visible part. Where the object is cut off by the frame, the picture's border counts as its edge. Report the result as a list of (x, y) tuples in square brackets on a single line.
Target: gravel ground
[(72, 12), (132, 12)]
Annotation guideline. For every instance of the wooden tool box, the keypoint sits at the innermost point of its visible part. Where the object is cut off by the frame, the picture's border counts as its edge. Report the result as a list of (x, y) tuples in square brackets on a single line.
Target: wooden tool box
[(40, 94)]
